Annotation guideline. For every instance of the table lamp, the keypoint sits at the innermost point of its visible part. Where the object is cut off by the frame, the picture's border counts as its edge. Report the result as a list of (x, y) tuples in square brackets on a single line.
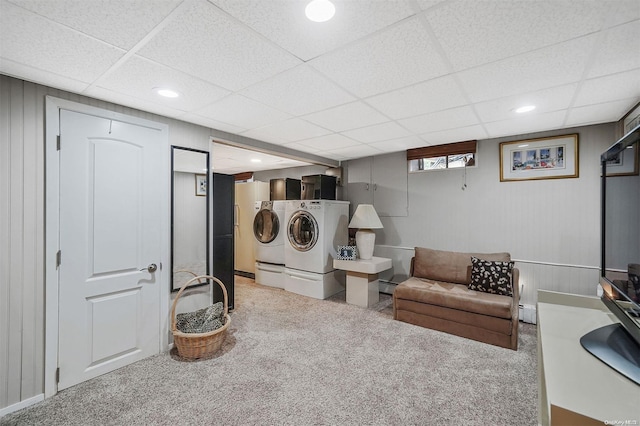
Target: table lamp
[(365, 219)]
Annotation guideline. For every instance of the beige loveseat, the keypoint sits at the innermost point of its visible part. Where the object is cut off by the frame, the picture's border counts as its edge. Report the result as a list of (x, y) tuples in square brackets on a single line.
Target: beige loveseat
[(438, 296)]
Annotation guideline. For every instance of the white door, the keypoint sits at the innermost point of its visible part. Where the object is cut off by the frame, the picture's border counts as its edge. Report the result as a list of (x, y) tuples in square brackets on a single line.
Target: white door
[(111, 181)]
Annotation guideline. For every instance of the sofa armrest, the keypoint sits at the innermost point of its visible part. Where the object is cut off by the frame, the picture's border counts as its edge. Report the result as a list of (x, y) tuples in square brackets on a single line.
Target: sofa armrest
[(515, 282)]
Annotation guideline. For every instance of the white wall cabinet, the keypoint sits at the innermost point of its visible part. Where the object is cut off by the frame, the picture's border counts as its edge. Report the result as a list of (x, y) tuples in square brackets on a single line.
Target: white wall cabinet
[(381, 181)]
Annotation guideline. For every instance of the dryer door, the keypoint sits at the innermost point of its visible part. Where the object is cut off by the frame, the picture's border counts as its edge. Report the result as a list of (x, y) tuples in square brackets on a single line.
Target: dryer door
[(266, 226), (303, 231)]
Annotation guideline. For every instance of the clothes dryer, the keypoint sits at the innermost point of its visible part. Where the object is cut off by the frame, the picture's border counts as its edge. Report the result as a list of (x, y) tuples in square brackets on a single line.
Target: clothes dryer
[(268, 230), (315, 229)]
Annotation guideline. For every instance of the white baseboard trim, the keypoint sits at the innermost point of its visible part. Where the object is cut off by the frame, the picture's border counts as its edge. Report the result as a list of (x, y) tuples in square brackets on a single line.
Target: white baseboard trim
[(22, 404), (528, 314)]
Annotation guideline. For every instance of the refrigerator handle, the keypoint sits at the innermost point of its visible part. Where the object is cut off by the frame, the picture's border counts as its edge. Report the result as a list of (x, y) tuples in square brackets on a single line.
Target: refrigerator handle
[(236, 213)]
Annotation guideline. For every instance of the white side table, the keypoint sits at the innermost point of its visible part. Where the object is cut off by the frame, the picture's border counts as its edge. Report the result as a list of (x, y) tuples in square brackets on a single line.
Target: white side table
[(362, 279)]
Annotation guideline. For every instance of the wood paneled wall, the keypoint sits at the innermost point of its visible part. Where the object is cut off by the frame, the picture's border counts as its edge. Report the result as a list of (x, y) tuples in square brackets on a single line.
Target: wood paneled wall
[(21, 240), (551, 227)]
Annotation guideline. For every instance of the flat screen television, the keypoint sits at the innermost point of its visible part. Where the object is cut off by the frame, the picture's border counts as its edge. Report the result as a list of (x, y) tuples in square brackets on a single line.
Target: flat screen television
[(618, 345)]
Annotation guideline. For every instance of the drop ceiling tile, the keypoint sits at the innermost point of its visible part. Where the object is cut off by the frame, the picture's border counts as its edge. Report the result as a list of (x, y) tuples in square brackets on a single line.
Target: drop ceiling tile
[(422, 98), (285, 22), (211, 123), (378, 132), (31, 40), (301, 90), (302, 148), (242, 112), (287, 131), (459, 134), (400, 144), (478, 32), (28, 73), (161, 108), (327, 143), (441, 120), (336, 157), (396, 57), (346, 117), (609, 88), (618, 50), (350, 152), (541, 69), (529, 124), (311, 150), (204, 42), (138, 77), (121, 23), (599, 113), (546, 100), (623, 11), (427, 4)]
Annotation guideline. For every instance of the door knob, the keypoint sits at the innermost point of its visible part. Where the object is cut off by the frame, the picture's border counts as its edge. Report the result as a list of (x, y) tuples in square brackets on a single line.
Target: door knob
[(151, 268)]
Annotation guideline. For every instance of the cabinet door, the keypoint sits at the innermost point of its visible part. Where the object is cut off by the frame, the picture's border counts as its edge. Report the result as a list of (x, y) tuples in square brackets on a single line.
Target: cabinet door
[(358, 182), (389, 177), (222, 192)]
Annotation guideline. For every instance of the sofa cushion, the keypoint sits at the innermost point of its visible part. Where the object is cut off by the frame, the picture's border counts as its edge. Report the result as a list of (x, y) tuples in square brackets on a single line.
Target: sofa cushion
[(454, 296), (449, 266), (491, 277)]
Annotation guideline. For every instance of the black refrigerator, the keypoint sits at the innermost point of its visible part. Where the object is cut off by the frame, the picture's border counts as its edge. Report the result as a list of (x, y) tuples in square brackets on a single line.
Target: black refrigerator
[(223, 199)]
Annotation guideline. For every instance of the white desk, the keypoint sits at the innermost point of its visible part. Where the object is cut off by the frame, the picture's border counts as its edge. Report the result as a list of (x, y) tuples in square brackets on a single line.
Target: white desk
[(574, 387), (362, 279)]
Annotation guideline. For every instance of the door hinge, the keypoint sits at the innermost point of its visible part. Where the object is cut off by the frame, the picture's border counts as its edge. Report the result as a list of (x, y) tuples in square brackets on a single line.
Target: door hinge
[(58, 375), (58, 143), (58, 258)]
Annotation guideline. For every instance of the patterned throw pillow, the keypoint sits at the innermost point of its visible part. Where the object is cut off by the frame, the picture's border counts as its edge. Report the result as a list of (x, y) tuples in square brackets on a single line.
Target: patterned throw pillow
[(491, 277), (201, 321)]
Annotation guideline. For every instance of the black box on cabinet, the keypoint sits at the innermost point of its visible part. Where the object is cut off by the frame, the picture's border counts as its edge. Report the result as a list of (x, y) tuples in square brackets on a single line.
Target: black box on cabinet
[(284, 189), (318, 187)]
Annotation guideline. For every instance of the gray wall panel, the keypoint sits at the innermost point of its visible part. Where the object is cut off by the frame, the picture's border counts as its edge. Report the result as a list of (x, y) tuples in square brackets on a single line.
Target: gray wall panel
[(544, 223)]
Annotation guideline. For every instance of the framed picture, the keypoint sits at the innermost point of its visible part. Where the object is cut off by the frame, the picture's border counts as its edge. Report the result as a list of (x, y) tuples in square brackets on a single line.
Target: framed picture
[(347, 252), (201, 185), (625, 163), (542, 158)]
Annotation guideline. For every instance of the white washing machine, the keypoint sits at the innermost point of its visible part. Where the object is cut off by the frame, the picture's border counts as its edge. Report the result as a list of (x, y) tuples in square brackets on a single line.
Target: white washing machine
[(315, 229), (268, 230)]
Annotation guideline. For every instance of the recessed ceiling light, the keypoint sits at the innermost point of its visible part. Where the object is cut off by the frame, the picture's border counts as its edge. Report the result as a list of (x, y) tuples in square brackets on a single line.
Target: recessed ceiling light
[(320, 10), (525, 108), (256, 160), (167, 93)]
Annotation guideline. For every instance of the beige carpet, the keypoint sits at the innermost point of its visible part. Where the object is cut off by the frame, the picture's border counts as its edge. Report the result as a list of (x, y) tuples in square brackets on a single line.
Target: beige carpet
[(293, 360)]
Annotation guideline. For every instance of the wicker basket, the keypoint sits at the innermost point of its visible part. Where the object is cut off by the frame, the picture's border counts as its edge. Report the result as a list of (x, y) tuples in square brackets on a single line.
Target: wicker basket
[(199, 345)]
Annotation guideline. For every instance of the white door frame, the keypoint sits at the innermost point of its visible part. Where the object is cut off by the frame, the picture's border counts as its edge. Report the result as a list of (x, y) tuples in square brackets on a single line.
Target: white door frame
[(52, 228)]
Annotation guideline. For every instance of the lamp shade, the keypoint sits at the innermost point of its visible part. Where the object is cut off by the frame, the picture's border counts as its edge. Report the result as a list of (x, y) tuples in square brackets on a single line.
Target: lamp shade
[(365, 217)]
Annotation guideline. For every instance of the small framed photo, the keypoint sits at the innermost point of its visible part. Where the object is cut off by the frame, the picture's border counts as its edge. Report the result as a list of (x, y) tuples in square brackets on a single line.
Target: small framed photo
[(201, 185), (347, 252)]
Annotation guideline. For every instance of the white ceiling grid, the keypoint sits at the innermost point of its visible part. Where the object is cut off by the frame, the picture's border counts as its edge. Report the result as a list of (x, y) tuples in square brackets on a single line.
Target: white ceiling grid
[(382, 76)]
